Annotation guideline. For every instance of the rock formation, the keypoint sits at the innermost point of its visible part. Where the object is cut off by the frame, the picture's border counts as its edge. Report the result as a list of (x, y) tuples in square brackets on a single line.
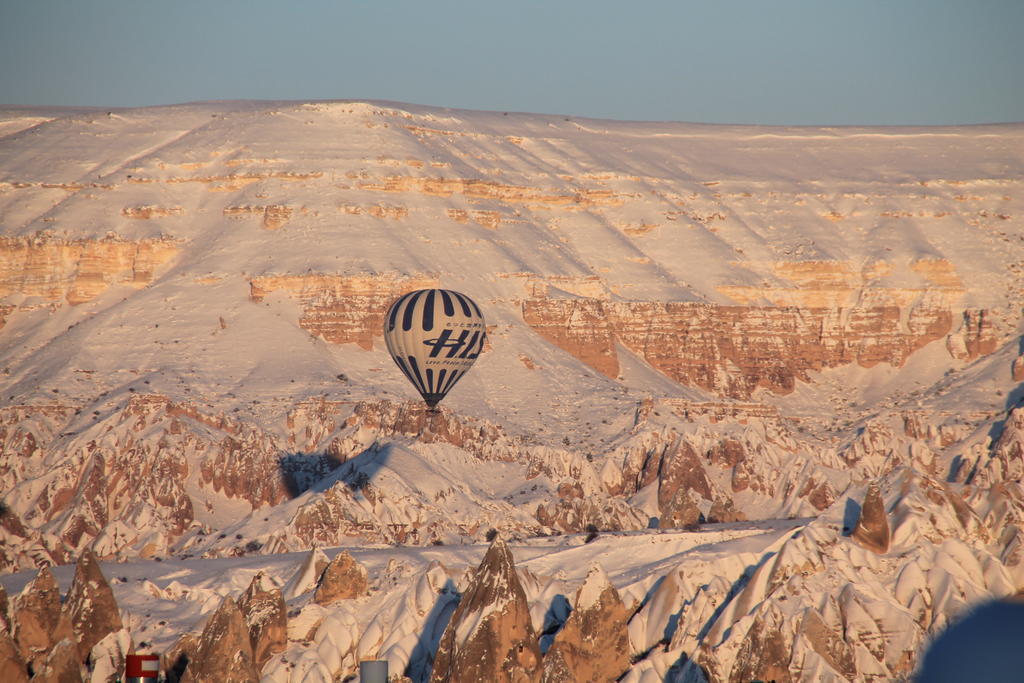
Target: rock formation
[(490, 636), (765, 652), (308, 574), (872, 530), (593, 645), (77, 271), (175, 661), (90, 606), (738, 322), (343, 579), (61, 664), (342, 309), (107, 658), (266, 615), (734, 350), (38, 623), (224, 652), (12, 666)]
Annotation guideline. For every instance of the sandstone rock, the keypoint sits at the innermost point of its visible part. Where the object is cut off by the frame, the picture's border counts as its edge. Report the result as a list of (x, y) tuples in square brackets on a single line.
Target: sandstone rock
[(5, 609), (224, 653), (61, 665), (722, 510), (598, 512), (343, 579), (1017, 369), (593, 645), (37, 620), (341, 309), (12, 666), (872, 530), (828, 644), (174, 661), (681, 512), (733, 350), (107, 658), (728, 452), (681, 470), (266, 615), (740, 480), (490, 636), (976, 336), (78, 270), (765, 652), (90, 605)]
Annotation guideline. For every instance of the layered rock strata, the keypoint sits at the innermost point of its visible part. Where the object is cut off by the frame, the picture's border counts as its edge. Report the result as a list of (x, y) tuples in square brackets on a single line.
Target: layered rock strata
[(735, 350), (341, 309), (78, 270)]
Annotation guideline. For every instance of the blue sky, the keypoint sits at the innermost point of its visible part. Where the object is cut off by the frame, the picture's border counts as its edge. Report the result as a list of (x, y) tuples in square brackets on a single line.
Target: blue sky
[(830, 62)]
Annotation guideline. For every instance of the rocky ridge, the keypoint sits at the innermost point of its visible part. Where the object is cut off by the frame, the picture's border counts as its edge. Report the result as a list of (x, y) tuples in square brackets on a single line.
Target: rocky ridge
[(742, 324)]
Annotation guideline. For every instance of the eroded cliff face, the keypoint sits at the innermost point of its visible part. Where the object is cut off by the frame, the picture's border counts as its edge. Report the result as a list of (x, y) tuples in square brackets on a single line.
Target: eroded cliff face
[(735, 350), (342, 309), (142, 481), (120, 487), (803, 613), (78, 270)]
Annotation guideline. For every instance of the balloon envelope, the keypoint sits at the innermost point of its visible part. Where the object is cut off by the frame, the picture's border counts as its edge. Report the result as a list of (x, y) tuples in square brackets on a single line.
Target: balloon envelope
[(434, 335)]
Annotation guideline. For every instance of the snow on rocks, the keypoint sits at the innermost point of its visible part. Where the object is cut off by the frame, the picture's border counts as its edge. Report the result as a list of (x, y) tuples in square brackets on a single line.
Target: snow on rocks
[(107, 657), (306, 576), (37, 621), (187, 379), (872, 528), (223, 651), (593, 645), (266, 616), (490, 635), (90, 605), (342, 579), (820, 605)]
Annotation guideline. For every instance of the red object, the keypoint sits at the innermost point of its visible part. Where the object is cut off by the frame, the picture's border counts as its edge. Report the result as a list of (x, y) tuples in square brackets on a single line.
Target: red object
[(142, 666)]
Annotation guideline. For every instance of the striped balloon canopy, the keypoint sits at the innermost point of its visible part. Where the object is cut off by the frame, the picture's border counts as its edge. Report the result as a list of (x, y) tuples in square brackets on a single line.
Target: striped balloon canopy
[(435, 336)]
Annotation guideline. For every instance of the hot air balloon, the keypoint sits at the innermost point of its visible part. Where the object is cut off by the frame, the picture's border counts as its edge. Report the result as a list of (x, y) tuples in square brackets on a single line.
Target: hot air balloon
[(434, 335)]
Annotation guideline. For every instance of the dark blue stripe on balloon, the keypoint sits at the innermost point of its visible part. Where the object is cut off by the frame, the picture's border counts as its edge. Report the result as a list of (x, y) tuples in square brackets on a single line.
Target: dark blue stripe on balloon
[(452, 379), (440, 379), (465, 306), (471, 345), (449, 307), (428, 311), (410, 307), (416, 373), (395, 307), (405, 369), (430, 380), (475, 307)]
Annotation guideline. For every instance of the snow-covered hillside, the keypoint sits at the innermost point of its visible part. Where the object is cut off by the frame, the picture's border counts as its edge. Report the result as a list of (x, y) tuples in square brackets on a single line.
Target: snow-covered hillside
[(704, 343)]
